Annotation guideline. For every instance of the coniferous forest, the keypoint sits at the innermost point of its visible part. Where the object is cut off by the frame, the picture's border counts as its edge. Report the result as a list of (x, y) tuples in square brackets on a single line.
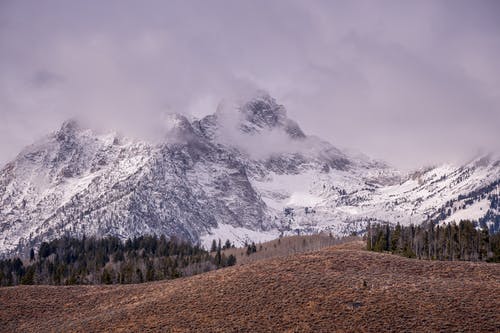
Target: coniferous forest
[(109, 260), (462, 241)]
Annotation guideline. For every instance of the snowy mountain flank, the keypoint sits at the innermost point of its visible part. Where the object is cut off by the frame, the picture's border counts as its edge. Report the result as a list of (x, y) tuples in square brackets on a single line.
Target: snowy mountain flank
[(245, 173)]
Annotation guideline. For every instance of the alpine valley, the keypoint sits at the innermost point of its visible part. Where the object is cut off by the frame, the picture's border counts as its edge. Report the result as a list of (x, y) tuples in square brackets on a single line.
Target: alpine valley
[(245, 173)]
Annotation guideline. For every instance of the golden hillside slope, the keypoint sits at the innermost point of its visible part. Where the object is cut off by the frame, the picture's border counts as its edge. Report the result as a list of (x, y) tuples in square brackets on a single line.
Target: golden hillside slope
[(342, 288)]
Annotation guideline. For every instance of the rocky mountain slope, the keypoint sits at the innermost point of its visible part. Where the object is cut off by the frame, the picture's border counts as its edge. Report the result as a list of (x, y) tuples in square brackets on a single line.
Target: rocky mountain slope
[(246, 172)]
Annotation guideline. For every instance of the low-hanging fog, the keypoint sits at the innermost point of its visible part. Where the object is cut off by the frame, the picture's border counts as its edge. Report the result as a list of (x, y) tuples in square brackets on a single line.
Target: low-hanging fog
[(412, 83)]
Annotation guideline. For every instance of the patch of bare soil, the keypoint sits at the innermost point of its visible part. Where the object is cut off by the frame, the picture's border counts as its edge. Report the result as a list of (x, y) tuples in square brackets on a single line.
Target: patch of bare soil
[(340, 288)]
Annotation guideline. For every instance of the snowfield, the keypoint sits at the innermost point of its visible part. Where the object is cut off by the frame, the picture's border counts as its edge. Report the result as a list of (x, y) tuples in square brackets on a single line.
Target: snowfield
[(237, 235)]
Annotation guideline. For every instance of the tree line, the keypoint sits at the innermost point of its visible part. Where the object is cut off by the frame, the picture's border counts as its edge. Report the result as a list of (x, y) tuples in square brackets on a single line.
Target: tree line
[(452, 241), (110, 260)]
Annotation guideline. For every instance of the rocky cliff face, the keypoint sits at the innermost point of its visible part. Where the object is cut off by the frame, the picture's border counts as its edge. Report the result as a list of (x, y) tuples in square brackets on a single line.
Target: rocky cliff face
[(247, 172)]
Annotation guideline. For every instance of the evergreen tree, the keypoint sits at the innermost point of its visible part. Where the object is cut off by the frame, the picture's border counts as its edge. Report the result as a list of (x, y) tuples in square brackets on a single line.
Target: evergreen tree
[(231, 260), (108, 260), (218, 256), (32, 254), (29, 276), (463, 241)]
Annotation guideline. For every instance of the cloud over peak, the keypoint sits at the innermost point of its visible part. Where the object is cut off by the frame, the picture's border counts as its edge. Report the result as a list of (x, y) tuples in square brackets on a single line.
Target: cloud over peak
[(409, 82)]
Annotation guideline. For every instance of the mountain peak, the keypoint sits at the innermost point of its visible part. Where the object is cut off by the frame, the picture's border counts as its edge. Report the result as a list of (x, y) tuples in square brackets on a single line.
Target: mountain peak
[(263, 112), (256, 114), (245, 172), (68, 129), (178, 127)]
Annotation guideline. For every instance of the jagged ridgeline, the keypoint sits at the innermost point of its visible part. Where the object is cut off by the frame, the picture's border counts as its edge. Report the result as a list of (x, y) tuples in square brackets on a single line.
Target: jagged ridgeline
[(462, 241), (245, 173), (109, 260)]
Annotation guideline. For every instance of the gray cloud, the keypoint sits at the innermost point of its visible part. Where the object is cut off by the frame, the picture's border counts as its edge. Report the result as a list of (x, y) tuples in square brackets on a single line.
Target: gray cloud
[(409, 82)]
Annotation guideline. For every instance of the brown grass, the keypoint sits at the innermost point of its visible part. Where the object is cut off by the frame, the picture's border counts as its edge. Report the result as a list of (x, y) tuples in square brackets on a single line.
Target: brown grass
[(286, 246), (341, 288)]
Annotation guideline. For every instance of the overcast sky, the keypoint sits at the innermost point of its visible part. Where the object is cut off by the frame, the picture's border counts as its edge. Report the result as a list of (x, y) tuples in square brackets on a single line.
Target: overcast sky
[(410, 82)]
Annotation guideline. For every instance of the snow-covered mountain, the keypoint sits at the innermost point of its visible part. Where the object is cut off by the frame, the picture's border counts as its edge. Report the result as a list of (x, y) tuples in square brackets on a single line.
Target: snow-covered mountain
[(246, 172)]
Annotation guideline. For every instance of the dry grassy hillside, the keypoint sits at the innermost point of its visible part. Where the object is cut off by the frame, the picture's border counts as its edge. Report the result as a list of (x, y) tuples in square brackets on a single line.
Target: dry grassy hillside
[(286, 246), (341, 288)]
